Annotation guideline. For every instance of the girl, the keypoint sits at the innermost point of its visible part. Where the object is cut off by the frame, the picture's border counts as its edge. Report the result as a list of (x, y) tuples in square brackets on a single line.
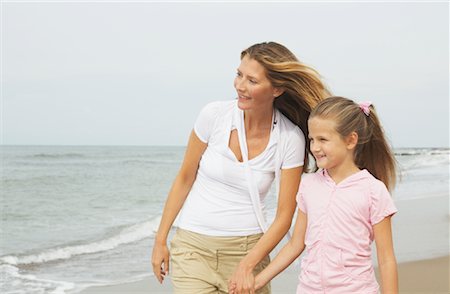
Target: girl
[(237, 145), (344, 206)]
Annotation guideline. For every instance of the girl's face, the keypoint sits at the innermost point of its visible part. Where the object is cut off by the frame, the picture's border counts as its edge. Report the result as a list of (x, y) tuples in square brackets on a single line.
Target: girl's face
[(330, 150), (253, 87)]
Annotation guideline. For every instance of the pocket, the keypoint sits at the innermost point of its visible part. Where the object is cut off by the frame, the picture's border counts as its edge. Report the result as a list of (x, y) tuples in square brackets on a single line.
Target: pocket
[(181, 247), (304, 264), (184, 254), (188, 262), (310, 271), (311, 254), (354, 271)]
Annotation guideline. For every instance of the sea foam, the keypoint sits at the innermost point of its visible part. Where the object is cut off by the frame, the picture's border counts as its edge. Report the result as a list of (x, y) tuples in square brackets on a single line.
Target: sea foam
[(128, 235)]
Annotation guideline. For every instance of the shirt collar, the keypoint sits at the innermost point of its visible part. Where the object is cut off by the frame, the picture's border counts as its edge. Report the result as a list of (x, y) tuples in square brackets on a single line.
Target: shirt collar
[(350, 180)]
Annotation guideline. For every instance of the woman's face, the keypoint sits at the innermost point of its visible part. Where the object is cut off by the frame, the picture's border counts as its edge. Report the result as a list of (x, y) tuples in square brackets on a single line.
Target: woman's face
[(253, 87)]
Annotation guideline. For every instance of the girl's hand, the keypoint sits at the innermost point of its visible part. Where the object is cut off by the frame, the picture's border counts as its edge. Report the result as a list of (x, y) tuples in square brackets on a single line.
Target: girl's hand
[(242, 281), (231, 287), (160, 261), (258, 283)]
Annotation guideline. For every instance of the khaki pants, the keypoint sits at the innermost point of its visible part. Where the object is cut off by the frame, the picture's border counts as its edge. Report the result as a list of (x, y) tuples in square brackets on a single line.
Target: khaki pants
[(203, 264)]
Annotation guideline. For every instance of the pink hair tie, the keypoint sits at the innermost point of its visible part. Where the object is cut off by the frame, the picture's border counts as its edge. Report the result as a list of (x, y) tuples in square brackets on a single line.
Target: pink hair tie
[(365, 107)]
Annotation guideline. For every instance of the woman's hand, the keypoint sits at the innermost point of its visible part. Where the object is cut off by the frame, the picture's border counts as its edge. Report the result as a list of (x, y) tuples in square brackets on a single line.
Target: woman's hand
[(242, 281), (160, 260)]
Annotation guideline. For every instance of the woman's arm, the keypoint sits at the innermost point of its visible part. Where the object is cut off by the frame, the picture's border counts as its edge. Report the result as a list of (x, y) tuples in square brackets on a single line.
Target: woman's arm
[(242, 278), (386, 258), (287, 254), (177, 195)]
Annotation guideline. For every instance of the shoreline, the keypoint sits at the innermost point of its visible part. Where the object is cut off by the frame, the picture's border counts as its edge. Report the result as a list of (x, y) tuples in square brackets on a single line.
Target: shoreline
[(422, 276)]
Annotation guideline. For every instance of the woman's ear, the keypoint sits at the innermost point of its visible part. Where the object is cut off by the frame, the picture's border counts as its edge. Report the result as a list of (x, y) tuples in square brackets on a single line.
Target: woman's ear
[(277, 92), (352, 140)]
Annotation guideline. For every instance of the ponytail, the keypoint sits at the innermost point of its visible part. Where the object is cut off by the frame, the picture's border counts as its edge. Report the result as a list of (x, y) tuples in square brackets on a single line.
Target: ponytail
[(375, 154)]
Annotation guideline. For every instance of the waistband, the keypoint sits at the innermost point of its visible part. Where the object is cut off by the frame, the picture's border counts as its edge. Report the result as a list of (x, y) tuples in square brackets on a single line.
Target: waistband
[(214, 243)]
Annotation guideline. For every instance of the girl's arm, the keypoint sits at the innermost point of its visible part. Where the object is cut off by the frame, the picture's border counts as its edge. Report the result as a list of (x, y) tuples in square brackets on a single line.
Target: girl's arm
[(386, 258), (287, 254), (177, 195), (242, 278)]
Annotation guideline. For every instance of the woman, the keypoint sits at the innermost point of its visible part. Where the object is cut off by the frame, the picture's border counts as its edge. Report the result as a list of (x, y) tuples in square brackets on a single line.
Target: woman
[(234, 153)]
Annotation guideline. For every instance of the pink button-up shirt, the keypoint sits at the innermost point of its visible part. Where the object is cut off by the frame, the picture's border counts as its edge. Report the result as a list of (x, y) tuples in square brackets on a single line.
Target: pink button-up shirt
[(340, 231)]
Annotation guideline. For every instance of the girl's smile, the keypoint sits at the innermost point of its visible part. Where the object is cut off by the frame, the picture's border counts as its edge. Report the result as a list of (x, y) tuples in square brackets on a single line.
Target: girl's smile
[(331, 151)]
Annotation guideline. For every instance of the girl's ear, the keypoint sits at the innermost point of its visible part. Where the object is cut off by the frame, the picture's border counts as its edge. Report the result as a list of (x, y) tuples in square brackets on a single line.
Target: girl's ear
[(352, 140)]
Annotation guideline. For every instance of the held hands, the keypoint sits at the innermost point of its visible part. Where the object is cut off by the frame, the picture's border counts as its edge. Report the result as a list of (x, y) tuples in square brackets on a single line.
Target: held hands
[(160, 261), (232, 286), (242, 281)]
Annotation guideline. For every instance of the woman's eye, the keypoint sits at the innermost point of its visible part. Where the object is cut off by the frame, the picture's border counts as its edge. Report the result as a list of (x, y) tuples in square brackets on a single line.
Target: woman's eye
[(252, 81)]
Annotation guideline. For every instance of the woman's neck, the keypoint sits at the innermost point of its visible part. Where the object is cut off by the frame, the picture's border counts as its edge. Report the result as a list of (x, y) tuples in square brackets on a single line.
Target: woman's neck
[(258, 120)]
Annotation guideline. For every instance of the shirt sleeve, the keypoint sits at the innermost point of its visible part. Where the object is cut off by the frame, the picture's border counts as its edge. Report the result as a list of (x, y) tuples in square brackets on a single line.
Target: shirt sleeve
[(300, 196), (382, 204), (295, 149), (203, 126)]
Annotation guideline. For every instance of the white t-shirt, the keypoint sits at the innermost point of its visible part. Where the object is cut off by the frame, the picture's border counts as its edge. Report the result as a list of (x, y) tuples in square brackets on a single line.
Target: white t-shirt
[(219, 202)]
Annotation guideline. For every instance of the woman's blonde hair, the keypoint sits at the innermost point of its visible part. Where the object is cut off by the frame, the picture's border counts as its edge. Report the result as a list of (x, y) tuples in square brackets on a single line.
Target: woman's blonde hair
[(302, 85), (372, 151)]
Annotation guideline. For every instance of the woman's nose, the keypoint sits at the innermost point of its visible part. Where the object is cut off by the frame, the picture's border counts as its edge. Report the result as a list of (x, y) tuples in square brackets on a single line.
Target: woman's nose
[(238, 84)]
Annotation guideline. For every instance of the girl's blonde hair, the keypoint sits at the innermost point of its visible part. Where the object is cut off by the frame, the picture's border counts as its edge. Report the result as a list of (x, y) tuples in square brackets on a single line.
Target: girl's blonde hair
[(302, 85), (372, 151)]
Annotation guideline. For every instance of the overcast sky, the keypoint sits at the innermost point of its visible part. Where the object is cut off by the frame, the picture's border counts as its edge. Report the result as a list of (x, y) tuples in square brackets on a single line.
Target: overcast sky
[(117, 73)]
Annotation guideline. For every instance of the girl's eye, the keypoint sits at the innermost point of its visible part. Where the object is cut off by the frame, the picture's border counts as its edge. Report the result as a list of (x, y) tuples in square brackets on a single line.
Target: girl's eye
[(238, 74), (252, 81)]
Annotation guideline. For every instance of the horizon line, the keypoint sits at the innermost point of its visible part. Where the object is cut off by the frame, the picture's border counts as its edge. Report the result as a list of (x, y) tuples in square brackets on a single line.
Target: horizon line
[(167, 145)]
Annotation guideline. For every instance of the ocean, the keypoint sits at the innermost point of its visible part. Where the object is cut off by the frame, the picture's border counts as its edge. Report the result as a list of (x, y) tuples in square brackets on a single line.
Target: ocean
[(80, 216)]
